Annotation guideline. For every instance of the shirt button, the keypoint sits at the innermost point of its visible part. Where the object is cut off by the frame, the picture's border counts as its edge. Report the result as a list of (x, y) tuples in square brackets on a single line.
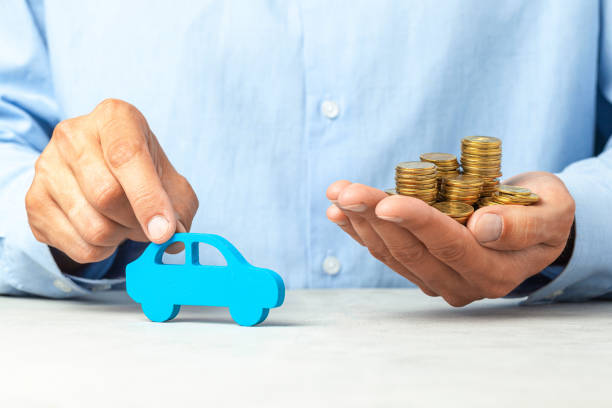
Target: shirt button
[(330, 109), (331, 265), (61, 285)]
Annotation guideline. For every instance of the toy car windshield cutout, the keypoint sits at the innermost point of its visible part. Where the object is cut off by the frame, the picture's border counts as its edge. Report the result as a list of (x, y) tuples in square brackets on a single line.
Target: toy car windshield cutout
[(161, 289)]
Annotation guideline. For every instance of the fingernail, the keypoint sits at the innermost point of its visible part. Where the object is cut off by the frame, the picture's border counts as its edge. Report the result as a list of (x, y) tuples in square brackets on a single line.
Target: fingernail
[(341, 223), (158, 227), (355, 207), (488, 228), (391, 219)]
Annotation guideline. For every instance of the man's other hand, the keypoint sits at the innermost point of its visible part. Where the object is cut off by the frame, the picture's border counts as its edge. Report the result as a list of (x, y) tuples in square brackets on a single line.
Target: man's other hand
[(500, 247), (103, 178)]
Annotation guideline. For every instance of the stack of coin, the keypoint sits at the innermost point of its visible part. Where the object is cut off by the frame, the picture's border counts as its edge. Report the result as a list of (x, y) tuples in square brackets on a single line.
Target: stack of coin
[(417, 179), (447, 164), (481, 157), (514, 195), (463, 188), (459, 211)]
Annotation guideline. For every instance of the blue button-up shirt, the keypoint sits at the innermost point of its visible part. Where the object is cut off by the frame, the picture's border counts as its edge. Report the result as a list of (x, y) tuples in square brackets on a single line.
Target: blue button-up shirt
[(262, 104)]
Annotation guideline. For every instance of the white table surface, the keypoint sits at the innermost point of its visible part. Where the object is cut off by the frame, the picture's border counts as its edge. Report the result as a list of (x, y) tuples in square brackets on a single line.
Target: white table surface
[(344, 348)]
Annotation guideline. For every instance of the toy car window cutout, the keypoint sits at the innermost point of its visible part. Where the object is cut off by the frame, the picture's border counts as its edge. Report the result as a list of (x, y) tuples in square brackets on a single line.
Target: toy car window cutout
[(174, 254), (205, 254)]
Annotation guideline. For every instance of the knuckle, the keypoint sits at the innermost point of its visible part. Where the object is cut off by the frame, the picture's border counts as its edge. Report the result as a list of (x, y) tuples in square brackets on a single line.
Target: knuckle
[(379, 254), (193, 201), (63, 129), (452, 252), (38, 236), (123, 150), (98, 233), (89, 253), (32, 201), (568, 211), (428, 292), (112, 107), (41, 165), (571, 206), (106, 195), (187, 194), (522, 230), (456, 301), (408, 255), (146, 202), (69, 136)]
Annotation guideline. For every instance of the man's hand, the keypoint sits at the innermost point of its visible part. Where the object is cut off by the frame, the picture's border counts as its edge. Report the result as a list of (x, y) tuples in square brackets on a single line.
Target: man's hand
[(103, 178), (499, 249)]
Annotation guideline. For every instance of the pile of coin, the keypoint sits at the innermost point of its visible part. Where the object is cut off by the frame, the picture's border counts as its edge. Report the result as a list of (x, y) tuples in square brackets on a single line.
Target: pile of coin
[(458, 211), (513, 195), (437, 178), (463, 188), (447, 164), (481, 157), (417, 179)]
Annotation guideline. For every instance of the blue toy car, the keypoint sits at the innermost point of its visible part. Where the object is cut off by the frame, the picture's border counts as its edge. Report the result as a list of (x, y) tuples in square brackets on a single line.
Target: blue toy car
[(248, 291)]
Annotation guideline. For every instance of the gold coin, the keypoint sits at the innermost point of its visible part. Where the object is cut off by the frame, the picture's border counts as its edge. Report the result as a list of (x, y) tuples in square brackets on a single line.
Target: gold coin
[(470, 152), (482, 140), (416, 184), (464, 180), (455, 208), (460, 195), (470, 171), (417, 188), (416, 166), (420, 179), (456, 197), (506, 200), (390, 191), (451, 197), (439, 157), (481, 176), (464, 189), (421, 193), (513, 190), (481, 163), (417, 179)]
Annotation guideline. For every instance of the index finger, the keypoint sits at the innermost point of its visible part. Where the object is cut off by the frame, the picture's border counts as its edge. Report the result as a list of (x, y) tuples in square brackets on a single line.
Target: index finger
[(126, 152)]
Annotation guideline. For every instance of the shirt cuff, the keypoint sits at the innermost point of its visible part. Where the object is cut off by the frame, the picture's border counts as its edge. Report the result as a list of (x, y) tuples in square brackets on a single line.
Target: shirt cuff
[(26, 265), (588, 273)]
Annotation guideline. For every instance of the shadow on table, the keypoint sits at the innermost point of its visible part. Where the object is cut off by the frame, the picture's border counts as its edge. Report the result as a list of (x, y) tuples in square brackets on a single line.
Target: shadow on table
[(120, 302), (509, 311), (228, 320)]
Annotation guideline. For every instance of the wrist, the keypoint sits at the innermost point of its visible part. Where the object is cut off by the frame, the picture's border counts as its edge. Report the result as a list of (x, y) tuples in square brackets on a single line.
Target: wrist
[(93, 270)]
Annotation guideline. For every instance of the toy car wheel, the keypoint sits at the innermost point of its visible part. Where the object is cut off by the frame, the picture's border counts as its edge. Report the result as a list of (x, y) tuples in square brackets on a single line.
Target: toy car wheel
[(248, 316), (160, 312)]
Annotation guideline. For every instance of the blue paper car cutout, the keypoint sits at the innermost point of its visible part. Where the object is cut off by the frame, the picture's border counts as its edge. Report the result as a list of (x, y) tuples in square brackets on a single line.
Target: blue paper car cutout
[(248, 291)]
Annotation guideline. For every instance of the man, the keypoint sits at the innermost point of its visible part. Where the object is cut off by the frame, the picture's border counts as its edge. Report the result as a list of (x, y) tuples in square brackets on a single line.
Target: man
[(263, 106)]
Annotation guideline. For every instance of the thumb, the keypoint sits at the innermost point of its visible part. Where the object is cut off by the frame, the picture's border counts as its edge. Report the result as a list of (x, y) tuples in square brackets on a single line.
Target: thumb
[(514, 227)]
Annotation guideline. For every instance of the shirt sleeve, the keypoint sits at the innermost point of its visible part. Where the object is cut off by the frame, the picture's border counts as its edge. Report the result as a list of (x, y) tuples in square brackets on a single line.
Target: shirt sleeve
[(28, 113), (588, 273)]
